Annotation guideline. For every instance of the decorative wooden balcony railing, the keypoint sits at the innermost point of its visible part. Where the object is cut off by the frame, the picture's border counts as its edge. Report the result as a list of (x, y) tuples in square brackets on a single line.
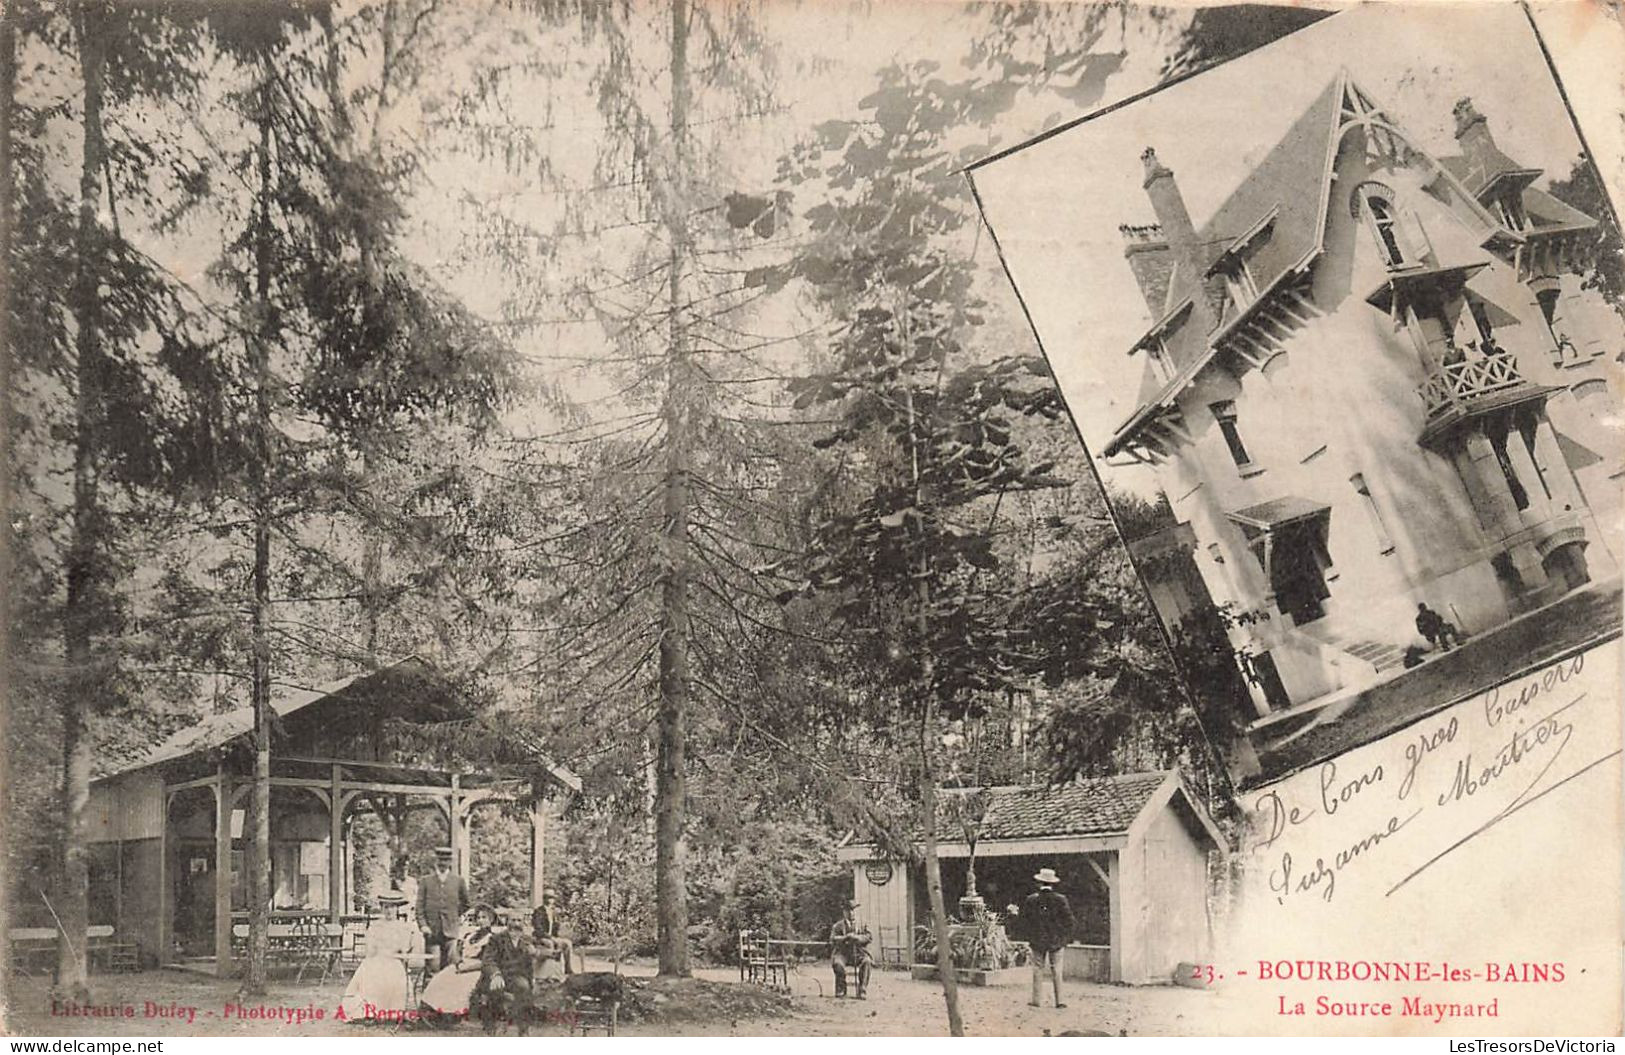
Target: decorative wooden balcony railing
[(1458, 386)]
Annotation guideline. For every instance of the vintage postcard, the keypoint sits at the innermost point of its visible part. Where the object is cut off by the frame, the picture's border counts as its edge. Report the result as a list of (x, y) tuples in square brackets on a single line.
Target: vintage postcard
[(811, 518)]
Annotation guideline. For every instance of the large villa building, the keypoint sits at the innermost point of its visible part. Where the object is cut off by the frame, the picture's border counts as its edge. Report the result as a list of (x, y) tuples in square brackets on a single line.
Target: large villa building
[(1374, 380)]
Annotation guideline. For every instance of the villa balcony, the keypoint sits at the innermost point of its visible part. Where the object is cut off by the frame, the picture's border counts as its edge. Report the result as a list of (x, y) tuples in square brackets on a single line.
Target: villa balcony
[(1458, 391)]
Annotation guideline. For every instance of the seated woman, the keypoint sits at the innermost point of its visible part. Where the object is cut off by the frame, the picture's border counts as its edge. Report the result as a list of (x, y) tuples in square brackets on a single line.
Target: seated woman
[(377, 991), (449, 991)]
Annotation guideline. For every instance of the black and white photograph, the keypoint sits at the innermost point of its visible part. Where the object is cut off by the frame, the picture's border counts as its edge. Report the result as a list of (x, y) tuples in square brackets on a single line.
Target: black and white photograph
[(806, 518), (1340, 324)]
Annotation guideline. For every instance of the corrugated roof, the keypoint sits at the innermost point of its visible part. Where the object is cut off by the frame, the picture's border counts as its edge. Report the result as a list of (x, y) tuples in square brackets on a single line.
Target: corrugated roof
[(1096, 806)]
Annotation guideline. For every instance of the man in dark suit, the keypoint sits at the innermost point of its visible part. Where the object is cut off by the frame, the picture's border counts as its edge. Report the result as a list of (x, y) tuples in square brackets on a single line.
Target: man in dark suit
[(442, 900), (550, 930), (507, 975), (1047, 922), (849, 949)]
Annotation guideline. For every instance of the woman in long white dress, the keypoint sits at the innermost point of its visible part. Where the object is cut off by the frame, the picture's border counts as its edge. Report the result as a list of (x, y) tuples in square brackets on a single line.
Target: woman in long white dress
[(378, 990), (451, 988)]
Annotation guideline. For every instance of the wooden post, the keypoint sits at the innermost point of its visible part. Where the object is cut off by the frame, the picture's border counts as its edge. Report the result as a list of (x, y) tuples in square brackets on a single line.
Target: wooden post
[(335, 848), (1117, 930), (166, 896), (538, 846), (459, 835), (222, 875)]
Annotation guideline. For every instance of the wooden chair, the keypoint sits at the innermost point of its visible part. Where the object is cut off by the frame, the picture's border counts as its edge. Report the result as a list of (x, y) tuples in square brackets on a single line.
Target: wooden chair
[(315, 943), (591, 1012), (593, 1001), (109, 952), (894, 952), (759, 962)]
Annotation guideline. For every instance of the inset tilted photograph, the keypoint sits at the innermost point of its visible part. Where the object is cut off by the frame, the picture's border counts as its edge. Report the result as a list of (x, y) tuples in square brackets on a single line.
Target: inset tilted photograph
[(1337, 323)]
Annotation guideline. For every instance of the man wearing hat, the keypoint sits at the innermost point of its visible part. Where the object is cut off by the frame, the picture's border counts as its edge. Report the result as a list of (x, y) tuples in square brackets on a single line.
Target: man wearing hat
[(442, 900), (849, 947), (548, 927), (1047, 923)]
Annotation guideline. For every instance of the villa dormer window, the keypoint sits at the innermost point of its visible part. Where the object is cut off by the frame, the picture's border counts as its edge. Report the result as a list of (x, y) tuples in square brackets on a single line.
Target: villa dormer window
[(1238, 280), (1224, 414), (1375, 202), (1381, 212), (1160, 362), (1511, 212)]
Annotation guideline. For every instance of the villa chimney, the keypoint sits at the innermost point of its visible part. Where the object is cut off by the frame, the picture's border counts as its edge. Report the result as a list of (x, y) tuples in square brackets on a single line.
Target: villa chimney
[(1148, 257), (1484, 159), (1169, 205), (1470, 124), (1180, 234)]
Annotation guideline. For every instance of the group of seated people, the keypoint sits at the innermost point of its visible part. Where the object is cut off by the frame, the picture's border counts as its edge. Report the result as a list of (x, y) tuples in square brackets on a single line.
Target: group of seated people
[(491, 974)]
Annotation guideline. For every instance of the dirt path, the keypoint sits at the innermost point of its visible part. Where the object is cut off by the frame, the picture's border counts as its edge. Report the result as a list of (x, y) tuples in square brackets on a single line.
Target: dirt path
[(157, 1003)]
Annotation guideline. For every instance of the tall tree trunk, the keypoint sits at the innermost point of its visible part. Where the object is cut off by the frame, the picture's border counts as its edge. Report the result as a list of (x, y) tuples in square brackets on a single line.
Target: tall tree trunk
[(372, 546), (928, 822), (671, 888), (928, 701), (84, 681), (259, 864), (8, 99)]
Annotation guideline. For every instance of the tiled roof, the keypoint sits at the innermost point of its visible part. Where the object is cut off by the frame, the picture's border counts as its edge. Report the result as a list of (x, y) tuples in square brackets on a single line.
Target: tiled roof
[(1097, 806), (1286, 181), (1545, 212), (1286, 188)]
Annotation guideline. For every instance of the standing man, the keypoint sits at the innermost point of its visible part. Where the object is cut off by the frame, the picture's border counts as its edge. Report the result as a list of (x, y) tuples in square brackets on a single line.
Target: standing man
[(849, 948), (547, 925), (1047, 919), (442, 900)]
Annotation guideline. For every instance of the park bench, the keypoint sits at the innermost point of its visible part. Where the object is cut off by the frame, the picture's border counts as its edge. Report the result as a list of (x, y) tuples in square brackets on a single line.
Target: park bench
[(302, 944), (33, 949)]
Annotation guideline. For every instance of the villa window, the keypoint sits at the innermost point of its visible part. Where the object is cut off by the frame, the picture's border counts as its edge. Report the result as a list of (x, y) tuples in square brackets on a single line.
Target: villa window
[(1385, 543), (1238, 280), (1399, 237), (1160, 363), (1481, 319), (1385, 224), (1526, 429), (1562, 349), (1225, 414), (1548, 303), (1512, 214), (1498, 442)]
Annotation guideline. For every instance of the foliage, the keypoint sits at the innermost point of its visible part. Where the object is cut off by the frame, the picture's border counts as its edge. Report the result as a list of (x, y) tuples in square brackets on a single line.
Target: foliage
[(1582, 188), (446, 382), (979, 943), (1220, 33)]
